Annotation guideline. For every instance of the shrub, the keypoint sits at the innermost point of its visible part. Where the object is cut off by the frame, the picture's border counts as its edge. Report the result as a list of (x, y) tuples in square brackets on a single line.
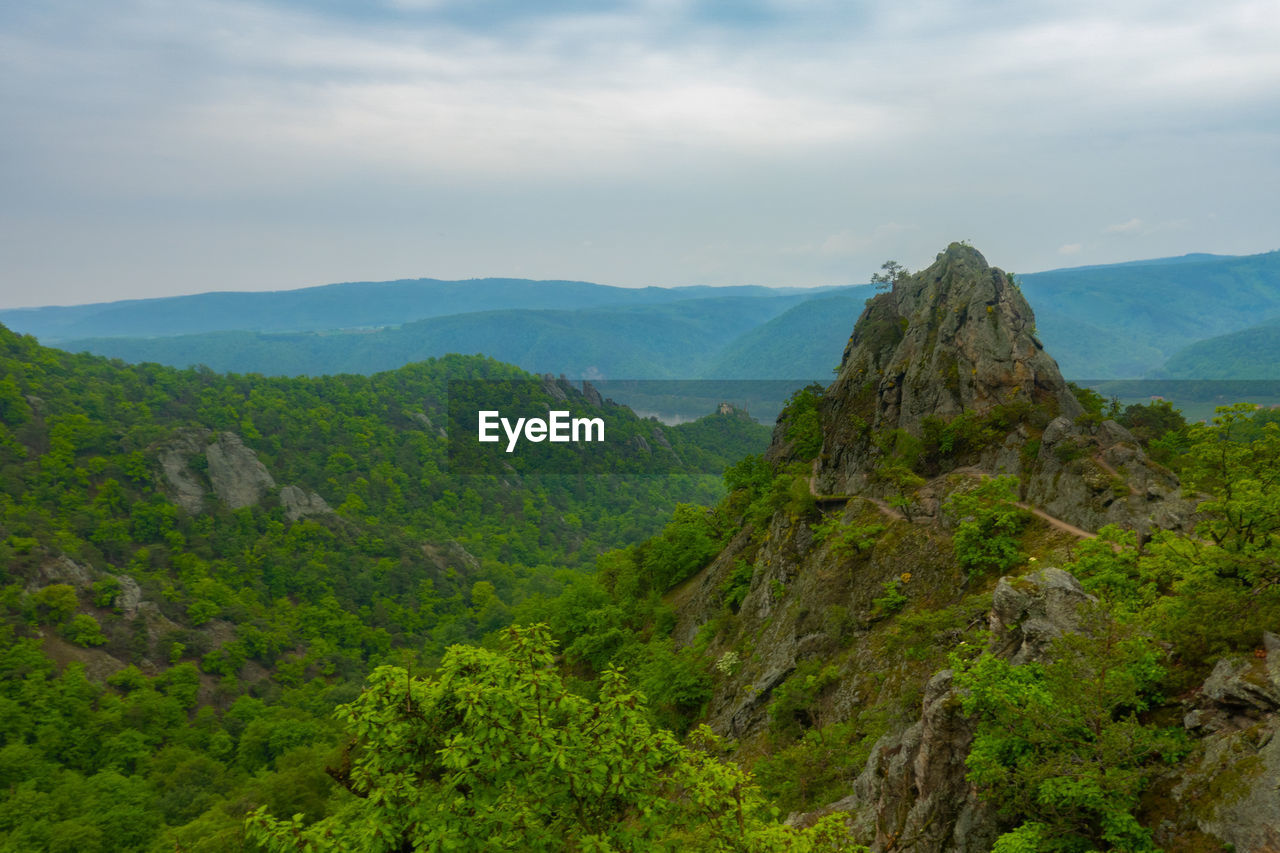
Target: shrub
[(988, 525)]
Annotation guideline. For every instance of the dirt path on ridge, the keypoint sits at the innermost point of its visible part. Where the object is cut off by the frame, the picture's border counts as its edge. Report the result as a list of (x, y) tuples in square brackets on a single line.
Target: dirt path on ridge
[(1052, 521)]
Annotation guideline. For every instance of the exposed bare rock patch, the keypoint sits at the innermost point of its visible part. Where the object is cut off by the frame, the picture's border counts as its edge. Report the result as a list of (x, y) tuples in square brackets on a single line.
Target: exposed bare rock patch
[(238, 477), (299, 504)]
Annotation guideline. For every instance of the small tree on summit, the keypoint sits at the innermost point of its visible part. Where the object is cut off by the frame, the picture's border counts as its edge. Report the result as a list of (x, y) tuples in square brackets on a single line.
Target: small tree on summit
[(893, 273)]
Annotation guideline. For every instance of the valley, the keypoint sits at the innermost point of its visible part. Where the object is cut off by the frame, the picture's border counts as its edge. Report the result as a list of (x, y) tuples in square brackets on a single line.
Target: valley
[(263, 595)]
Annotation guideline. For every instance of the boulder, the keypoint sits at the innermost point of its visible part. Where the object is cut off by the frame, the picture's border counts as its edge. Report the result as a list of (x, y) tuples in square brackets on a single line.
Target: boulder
[(1030, 612)]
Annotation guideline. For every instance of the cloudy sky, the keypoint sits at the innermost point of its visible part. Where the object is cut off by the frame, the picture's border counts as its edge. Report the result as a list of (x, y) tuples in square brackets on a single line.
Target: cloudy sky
[(156, 147)]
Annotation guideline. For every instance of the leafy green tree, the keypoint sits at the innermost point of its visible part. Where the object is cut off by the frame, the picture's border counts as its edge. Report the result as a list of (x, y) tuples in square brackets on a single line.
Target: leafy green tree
[(988, 523), (803, 426), (84, 630), (55, 603), (1060, 748), (683, 547), (1242, 478), (495, 753)]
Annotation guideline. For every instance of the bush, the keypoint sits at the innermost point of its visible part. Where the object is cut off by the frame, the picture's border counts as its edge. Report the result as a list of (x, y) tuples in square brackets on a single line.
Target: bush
[(496, 753), (988, 525), (84, 630), (54, 604)]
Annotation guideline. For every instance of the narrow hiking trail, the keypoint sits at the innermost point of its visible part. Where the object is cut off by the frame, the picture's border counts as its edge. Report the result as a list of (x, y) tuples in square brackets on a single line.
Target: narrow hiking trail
[(1052, 521)]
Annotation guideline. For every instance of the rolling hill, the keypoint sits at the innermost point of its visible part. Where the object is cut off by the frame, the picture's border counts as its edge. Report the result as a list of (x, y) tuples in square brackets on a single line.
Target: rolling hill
[(1115, 321)]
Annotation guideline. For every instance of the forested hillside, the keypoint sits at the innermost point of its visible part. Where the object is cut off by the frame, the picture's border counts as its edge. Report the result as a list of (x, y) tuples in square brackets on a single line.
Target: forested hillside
[(957, 601), (957, 609), (1123, 321), (197, 568), (1252, 353), (669, 340)]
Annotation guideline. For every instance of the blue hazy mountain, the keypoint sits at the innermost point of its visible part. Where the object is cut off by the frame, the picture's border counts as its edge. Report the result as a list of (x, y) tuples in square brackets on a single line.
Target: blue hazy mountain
[(1125, 320), (1252, 353), (1122, 320), (672, 340), (339, 306)]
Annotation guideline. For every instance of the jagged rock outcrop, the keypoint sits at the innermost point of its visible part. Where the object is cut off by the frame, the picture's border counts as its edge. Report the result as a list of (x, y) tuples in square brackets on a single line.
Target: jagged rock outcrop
[(1229, 790), (451, 555), (558, 389), (238, 477), (233, 472), (804, 603), (299, 504), (1028, 613), (660, 439), (184, 486), (947, 365), (913, 792), (958, 339), (1094, 476)]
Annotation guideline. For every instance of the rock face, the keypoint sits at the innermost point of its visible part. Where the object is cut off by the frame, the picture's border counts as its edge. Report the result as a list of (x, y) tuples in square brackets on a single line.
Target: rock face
[(1230, 789), (298, 504), (1030, 612), (914, 786), (958, 339), (238, 477), (1093, 476), (234, 474), (948, 361), (185, 488)]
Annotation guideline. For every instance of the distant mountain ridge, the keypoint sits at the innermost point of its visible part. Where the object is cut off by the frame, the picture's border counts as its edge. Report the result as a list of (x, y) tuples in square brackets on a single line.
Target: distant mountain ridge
[(661, 341), (339, 306), (1114, 321), (1125, 320)]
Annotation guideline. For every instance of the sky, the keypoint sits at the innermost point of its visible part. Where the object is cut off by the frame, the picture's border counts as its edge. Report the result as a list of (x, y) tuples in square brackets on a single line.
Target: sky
[(163, 147)]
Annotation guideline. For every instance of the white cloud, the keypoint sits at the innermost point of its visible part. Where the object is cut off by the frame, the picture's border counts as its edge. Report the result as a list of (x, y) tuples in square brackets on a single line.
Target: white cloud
[(1070, 249), (1132, 226)]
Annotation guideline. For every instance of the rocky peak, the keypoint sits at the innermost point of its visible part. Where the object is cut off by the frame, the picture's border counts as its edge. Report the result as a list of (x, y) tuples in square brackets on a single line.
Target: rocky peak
[(958, 336), (949, 357)]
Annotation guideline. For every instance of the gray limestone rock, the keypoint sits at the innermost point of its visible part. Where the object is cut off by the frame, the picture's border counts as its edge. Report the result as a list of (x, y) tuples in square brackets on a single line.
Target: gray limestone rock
[(239, 478), (660, 439), (62, 569), (185, 488), (1094, 477), (1231, 787), (913, 787), (558, 389), (956, 337), (1030, 612), (130, 597), (299, 504)]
